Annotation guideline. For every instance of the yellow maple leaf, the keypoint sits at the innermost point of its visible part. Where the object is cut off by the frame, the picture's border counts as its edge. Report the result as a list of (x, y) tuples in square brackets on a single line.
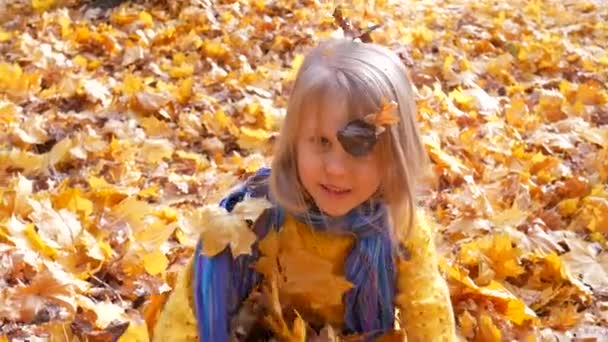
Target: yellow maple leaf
[(136, 332), (442, 158), (132, 84), (550, 105), (182, 70), (308, 275), (92, 246), (269, 247), (501, 66), (8, 112), (219, 228), (595, 213), (81, 61), (15, 81), (420, 36), (487, 331), (506, 302), (462, 98), (184, 90), (59, 153), (513, 216), (5, 36), (21, 189), (74, 200), (568, 206), (30, 163), (251, 208), (517, 113), (37, 242), (132, 211), (123, 17), (303, 276), (467, 324), (155, 150), (214, 49), (155, 262), (201, 162), (253, 138), (274, 318), (223, 230), (218, 121), (42, 5), (146, 19), (155, 233), (155, 127), (503, 257), (150, 192), (592, 93)]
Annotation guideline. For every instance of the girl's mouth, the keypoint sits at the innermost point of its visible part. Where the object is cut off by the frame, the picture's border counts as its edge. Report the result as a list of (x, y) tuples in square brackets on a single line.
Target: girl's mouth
[(335, 191)]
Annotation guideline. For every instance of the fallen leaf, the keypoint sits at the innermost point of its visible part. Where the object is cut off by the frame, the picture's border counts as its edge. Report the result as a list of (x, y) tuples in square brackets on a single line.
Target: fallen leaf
[(96, 91), (105, 312), (487, 330), (59, 229), (219, 228), (585, 262), (155, 262)]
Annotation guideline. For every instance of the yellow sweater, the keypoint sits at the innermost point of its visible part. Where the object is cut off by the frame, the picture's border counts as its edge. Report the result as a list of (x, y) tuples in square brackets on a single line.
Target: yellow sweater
[(423, 301)]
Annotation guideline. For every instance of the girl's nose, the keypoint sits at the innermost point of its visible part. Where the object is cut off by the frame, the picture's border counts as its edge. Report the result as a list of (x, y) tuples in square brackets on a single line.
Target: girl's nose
[(335, 163)]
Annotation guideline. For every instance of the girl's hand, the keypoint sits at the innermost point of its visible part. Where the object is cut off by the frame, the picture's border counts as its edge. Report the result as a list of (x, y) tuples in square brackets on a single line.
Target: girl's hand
[(262, 311), (274, 316), (246, 322)]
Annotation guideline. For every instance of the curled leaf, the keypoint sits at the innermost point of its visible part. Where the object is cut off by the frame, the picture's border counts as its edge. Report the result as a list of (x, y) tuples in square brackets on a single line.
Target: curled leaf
[(385, 116)]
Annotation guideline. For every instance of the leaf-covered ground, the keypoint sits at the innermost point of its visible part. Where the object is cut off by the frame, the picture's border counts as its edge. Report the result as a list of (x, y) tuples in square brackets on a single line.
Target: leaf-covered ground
[(118, 126)]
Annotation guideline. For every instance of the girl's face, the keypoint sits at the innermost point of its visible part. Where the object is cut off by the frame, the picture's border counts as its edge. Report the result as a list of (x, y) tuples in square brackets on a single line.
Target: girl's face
[(336, 180)]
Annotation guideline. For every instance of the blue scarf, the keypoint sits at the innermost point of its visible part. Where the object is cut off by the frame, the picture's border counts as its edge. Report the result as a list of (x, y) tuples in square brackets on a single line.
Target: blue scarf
[(221, 283)]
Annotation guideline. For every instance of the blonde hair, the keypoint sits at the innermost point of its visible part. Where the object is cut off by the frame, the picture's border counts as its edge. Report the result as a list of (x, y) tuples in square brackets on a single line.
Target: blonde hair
[(362, 74)]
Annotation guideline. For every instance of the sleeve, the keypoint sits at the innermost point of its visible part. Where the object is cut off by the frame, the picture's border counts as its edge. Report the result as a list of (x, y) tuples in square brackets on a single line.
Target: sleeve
[(205, 295), (176, 321), (423, 298), (206, 281)]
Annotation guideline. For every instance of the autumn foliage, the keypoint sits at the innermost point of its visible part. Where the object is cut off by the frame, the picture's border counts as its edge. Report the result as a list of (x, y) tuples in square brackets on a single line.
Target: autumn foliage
[(122, 129)]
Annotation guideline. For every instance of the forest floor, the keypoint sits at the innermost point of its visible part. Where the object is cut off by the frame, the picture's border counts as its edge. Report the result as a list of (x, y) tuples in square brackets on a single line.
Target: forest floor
[(123, 126)]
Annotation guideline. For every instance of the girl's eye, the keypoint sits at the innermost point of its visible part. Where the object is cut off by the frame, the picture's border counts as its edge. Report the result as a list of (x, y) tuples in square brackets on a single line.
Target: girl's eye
[(321, 142)]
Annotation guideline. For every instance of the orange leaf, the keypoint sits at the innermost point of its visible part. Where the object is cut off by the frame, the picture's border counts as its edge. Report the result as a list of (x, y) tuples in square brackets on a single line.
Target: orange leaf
[(385, 115)]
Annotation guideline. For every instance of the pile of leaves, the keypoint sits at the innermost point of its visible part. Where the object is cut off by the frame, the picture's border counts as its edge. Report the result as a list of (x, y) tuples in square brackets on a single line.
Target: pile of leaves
[(123, 127)]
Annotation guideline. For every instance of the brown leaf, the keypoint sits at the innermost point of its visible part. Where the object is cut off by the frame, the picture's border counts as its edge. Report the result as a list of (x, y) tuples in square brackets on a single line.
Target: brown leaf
[(44, 290)]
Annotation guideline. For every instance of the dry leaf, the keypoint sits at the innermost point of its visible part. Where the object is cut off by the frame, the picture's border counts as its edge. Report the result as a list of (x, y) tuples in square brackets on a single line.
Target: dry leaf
[(220, 228), (124, 127), (385, 116), (59, 229)]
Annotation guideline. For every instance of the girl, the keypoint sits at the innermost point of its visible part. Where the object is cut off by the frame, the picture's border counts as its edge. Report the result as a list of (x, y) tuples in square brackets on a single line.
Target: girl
[(342, 186)]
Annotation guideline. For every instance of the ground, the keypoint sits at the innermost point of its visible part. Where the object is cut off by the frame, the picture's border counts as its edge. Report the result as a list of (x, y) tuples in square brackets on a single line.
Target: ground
[(124, 127)]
